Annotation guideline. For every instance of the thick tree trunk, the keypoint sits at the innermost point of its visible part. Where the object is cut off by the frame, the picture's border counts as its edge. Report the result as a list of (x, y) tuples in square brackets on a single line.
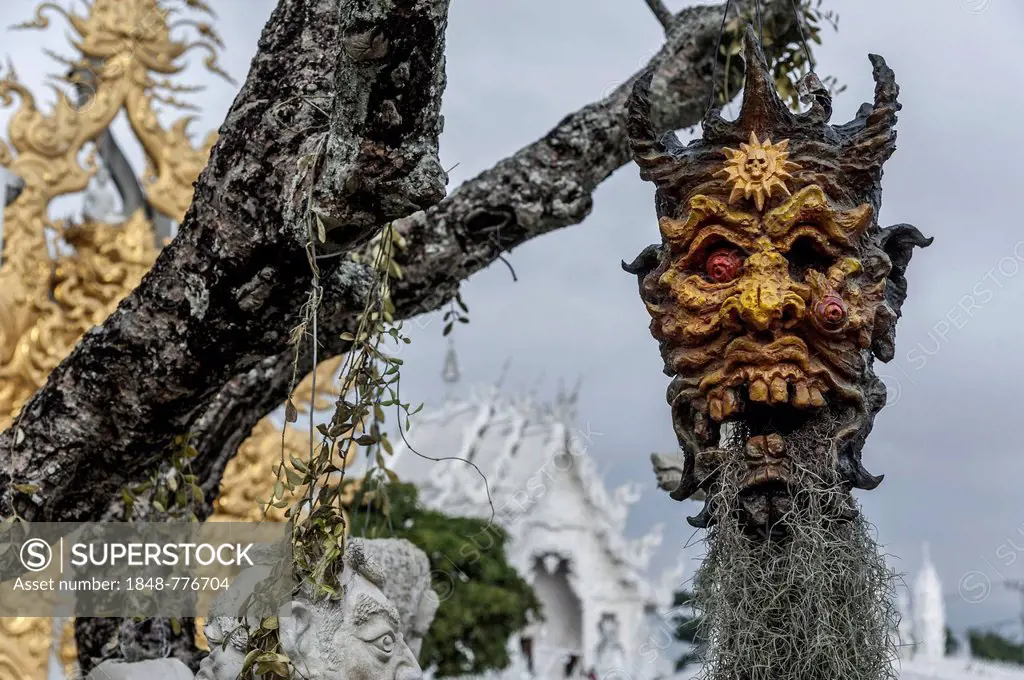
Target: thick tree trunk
[(228, 290), (342, 98)]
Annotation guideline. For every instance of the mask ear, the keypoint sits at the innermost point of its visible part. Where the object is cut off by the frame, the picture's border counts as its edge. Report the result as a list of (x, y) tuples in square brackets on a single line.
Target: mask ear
[(295, 622), (898, 243)]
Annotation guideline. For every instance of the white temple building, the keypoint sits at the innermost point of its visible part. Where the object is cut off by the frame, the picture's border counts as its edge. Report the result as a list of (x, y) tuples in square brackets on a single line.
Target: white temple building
[(565, 527)]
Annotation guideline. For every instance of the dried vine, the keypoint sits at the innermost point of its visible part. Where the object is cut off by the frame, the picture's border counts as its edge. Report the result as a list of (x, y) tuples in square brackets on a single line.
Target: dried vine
[(313, 490)]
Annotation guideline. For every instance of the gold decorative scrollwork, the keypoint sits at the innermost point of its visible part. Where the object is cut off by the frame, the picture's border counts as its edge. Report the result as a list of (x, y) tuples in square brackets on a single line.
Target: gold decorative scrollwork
[(47, 301)]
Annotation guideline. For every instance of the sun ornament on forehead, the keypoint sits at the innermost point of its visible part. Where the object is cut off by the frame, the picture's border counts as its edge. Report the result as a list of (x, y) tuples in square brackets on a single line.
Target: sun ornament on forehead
[(756, 169)]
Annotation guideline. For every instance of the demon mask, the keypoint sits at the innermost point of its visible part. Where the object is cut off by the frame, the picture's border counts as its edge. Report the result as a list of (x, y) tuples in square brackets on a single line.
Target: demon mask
[(773, 288)]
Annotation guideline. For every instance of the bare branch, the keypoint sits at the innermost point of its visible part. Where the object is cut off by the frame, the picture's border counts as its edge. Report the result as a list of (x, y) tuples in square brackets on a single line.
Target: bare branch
[(662, 13)]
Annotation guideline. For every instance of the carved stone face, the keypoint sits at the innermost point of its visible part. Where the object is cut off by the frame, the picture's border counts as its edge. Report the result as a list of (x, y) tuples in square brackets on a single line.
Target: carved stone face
[(408, 586), (224, 662), (773, 288), (763, 315), (357, 639), (756, 164)]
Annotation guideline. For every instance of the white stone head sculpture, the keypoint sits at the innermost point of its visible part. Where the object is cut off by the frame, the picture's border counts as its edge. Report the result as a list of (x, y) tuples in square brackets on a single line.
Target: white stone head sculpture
[(356, 638), (227, 639), (363, 635), (373, 633)]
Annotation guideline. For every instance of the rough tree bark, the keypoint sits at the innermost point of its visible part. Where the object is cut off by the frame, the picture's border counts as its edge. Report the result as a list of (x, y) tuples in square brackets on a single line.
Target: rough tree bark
[(228, 290)]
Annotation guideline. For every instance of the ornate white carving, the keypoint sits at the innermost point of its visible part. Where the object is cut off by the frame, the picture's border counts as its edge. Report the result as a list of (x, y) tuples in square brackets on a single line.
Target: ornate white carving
[(550, 497), (609, 656), (361, 638), (364, 635)]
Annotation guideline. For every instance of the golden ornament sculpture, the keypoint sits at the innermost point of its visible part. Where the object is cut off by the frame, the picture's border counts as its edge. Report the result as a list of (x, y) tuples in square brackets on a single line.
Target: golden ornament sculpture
[(756, 169), (48, 302)]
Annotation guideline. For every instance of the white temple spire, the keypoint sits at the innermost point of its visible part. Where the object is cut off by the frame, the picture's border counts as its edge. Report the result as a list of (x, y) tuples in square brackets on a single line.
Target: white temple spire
[(929, 611), (450, 372)]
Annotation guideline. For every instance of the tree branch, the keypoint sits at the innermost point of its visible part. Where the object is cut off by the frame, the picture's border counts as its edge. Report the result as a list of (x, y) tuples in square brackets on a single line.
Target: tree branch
[(661, 13), (545, 186), (229, 288)]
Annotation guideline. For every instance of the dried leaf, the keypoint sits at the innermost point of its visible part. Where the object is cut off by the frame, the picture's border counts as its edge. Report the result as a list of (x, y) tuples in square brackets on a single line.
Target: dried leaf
[(291, 414), (294, 478)]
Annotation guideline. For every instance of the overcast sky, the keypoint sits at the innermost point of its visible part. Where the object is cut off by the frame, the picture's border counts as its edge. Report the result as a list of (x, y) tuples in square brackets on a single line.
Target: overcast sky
[(953, 467)]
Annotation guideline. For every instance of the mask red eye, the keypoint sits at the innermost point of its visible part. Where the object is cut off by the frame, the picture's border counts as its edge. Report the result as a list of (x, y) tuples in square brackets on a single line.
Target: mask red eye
[(724, 265), (832, 311)]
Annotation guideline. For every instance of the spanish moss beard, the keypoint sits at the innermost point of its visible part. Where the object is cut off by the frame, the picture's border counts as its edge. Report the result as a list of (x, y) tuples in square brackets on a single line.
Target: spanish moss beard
[(808, 598)]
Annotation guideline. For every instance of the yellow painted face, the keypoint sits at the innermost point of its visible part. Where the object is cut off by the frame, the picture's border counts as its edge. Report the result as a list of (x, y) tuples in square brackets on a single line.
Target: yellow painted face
[(764, 306)]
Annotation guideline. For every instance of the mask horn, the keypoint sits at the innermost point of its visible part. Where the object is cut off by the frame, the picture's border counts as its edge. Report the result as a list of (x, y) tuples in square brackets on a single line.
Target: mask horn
[(870, 138), (654, 153), (763, 111)]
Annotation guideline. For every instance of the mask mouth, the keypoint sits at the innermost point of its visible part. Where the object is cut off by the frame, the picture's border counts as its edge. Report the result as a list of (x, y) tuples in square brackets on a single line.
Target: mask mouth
[(758, 419), (758, 440), (755, 419)]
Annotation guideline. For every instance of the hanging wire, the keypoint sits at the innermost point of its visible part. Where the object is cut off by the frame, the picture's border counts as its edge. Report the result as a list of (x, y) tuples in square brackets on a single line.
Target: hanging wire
[(714, 60), (803, 39)]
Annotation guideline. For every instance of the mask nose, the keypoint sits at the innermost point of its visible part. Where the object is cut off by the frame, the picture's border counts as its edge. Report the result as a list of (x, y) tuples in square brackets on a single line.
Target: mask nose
[(761, 305), (766, 299)]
